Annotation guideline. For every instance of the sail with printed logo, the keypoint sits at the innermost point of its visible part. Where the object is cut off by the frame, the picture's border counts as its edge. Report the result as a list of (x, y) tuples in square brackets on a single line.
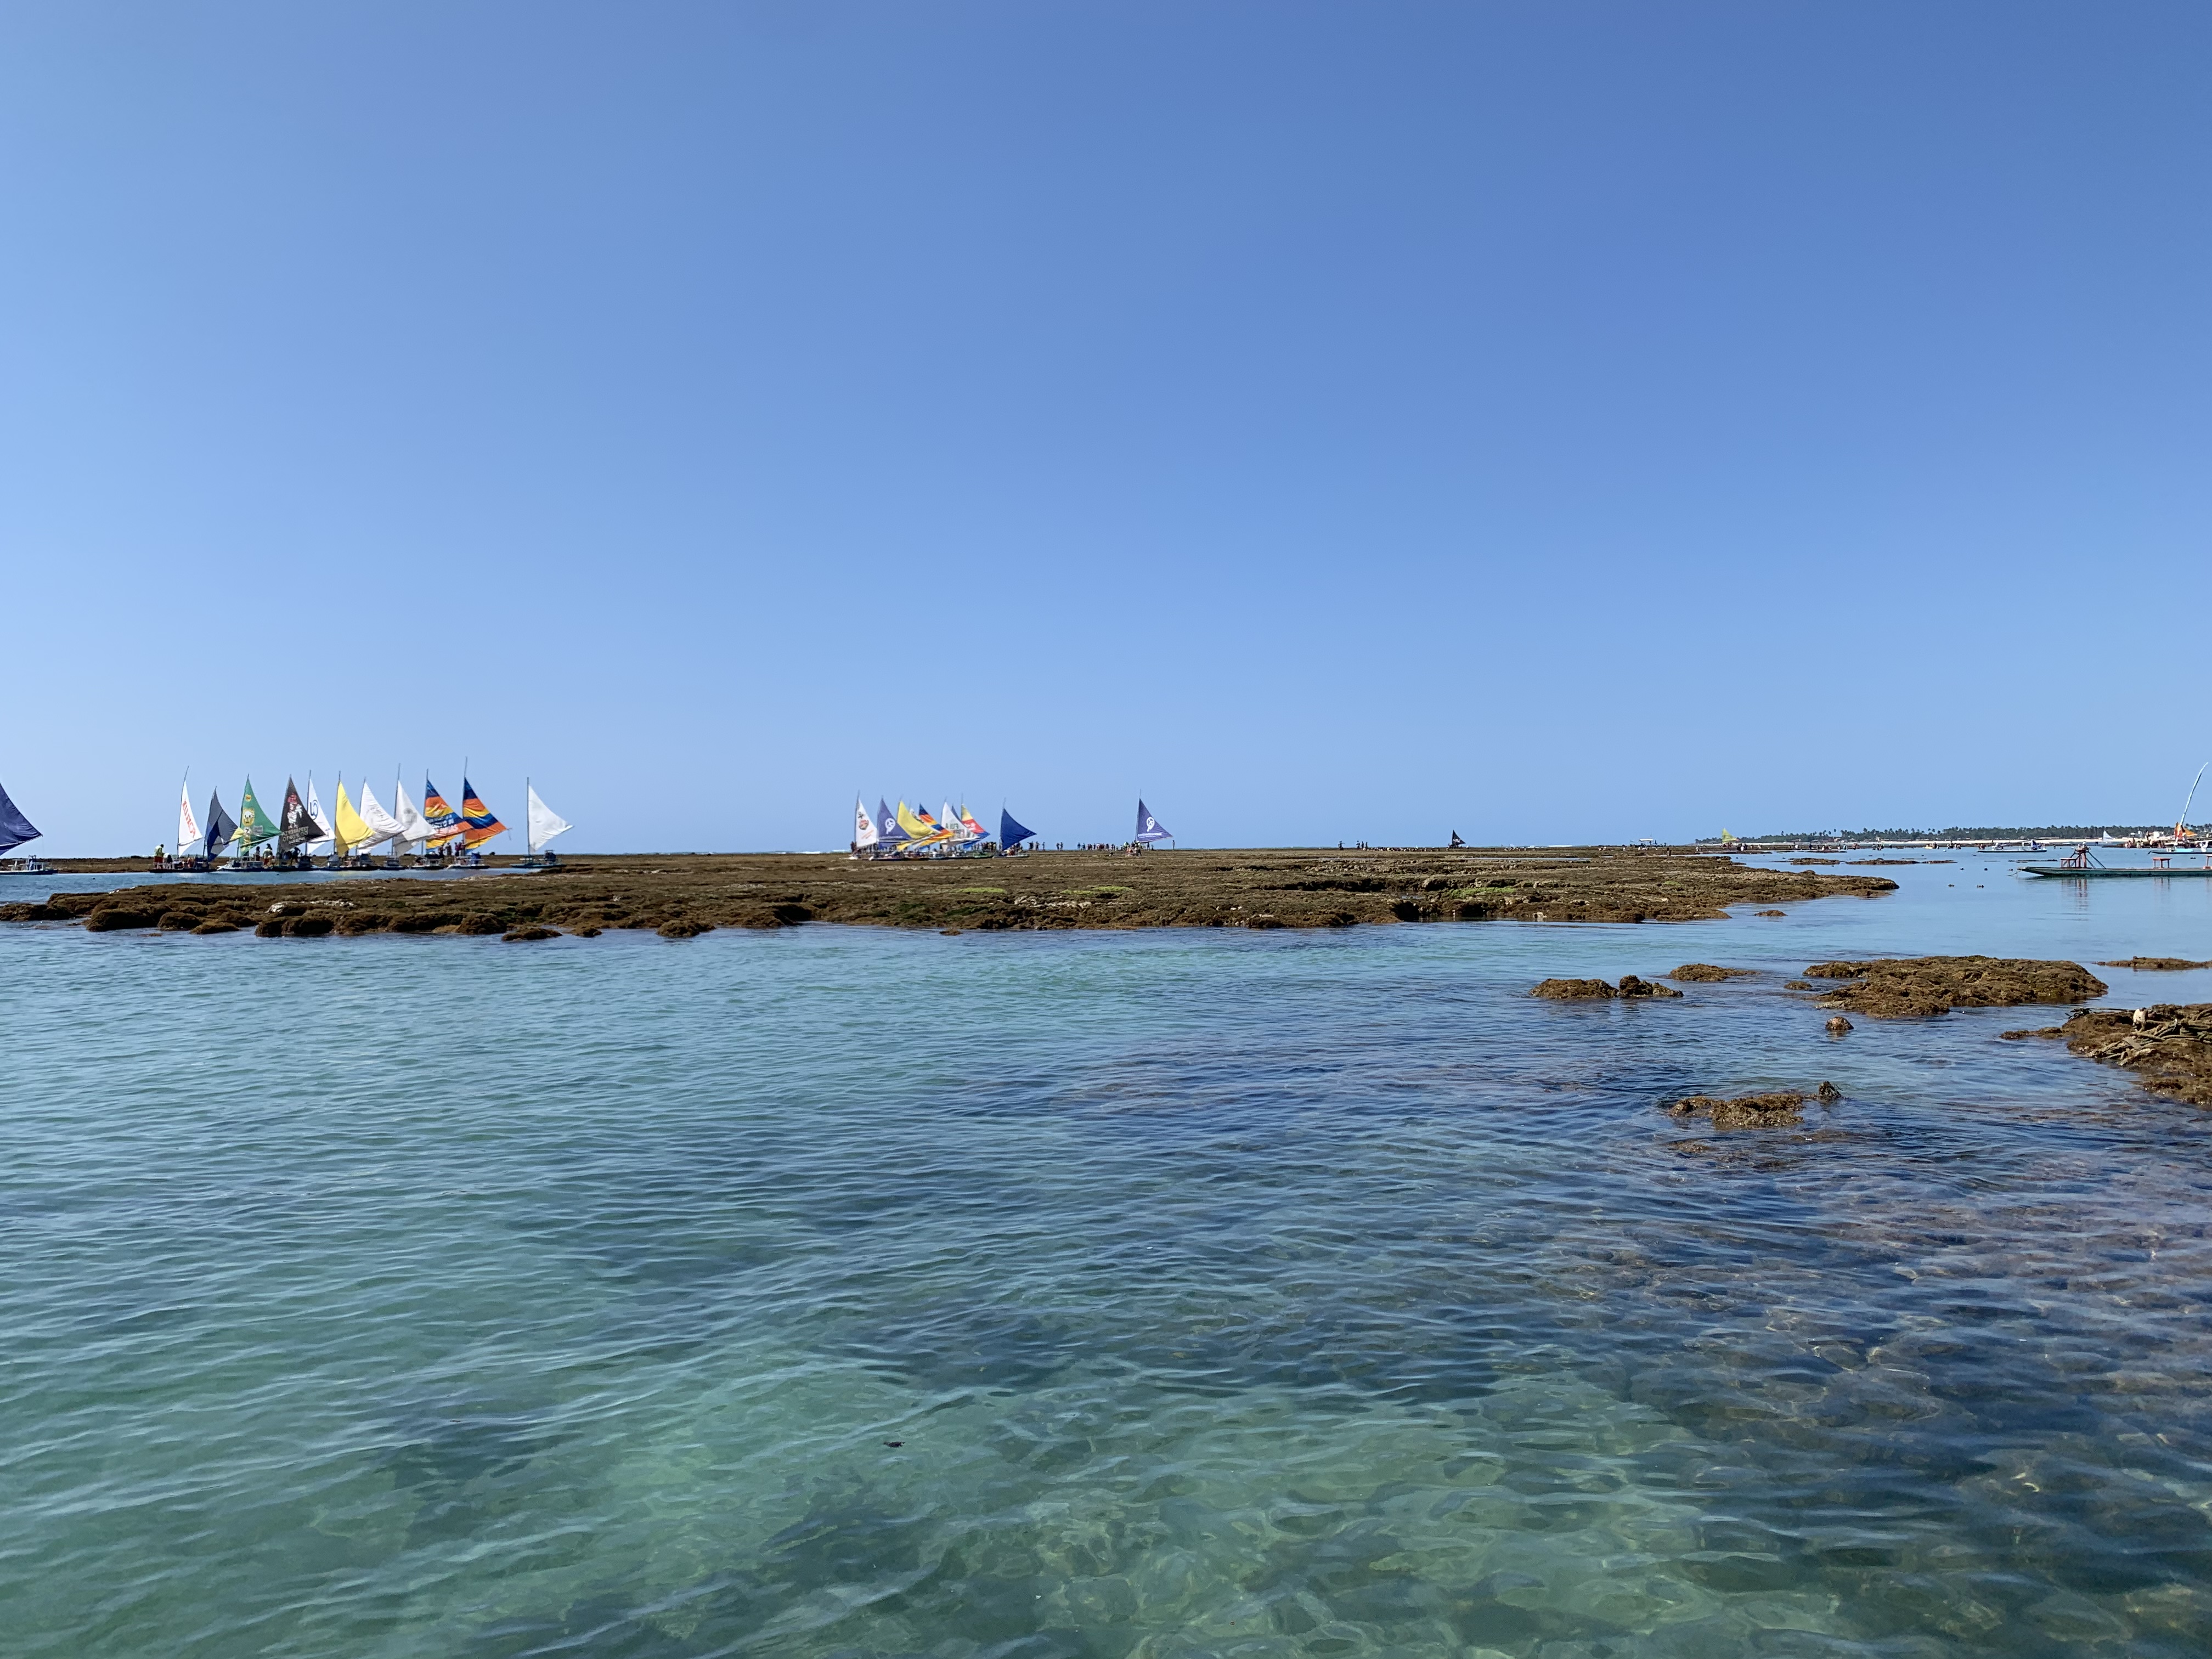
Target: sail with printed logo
[(188, 829), (14, 828), (297, 827), (975, 831), (864, 833), (219, 828), (254, 823), (1150, 828), (889, 830), (322, 845), (382, 826), (446, 825), (480, 826), (954, 824), (542, 822)]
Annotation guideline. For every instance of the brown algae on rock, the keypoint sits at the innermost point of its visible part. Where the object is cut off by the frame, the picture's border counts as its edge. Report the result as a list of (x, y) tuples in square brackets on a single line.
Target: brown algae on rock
[(1767, 1111), (1917, 987), (2169, 1047)]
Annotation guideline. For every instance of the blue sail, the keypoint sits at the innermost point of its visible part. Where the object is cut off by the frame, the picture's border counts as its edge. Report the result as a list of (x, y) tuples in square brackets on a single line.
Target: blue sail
[(14, 828), (887, 825), (1011, 831), (1150, 828)]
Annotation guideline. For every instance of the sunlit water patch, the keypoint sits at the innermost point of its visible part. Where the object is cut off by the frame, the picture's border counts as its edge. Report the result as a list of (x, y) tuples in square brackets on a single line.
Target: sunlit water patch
[(843, 1293)]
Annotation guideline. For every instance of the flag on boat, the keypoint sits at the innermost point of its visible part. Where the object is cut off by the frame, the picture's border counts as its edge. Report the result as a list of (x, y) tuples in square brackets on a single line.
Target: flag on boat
[(14, 828), (382, 826), (297, 827), (888, 829), (220, 827), (482, 825), (414, 828), (1013, 832), (349, 828), (253, 823), (1150, 828), (545, 823), (323, 844), (188, 829), (864, 825), (445, 822)]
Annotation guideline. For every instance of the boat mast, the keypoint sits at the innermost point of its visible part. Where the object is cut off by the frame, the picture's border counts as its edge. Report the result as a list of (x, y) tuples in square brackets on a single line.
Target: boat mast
[(2182, 822)]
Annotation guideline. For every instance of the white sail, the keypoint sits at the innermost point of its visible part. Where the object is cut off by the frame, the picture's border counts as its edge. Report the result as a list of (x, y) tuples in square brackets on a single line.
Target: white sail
[(188, 827), (864, 833), (545, 823), (414, 828), (952, 821), (381, 824), (323, 848)]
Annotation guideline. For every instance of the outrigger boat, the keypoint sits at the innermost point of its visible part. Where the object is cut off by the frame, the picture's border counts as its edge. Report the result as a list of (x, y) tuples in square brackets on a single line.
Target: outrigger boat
[(2082, 864)]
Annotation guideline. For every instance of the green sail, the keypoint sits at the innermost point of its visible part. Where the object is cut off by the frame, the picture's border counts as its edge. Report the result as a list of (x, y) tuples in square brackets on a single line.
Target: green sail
[(254, 823)]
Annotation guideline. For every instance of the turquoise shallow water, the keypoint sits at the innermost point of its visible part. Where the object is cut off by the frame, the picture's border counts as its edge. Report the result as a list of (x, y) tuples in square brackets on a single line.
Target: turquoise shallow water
[(1225, 1294)]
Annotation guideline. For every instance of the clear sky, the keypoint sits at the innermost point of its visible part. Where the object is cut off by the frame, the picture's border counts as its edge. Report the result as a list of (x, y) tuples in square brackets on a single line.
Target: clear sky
[(1547, 422)]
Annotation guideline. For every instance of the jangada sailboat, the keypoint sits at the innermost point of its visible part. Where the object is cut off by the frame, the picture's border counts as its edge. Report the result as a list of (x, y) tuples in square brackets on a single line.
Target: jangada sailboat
[(14, 830), (541, 824)]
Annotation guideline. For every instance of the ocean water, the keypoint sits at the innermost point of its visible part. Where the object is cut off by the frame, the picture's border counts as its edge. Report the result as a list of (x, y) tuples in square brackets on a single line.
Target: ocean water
[(850, 1292)]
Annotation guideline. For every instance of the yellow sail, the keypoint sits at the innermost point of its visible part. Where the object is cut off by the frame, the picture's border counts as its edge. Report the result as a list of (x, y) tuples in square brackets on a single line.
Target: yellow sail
[(349, 829), (920, 829)]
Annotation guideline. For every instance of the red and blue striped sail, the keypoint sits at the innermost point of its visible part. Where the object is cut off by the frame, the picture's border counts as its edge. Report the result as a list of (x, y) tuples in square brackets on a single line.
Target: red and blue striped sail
[(482, 826)]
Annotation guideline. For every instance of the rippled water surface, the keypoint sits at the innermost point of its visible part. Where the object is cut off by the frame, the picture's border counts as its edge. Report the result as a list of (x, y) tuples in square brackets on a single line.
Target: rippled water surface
[(844, 1292)]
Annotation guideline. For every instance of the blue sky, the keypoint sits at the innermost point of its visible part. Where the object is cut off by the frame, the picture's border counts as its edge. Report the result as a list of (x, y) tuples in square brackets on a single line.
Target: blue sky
[(1333, 422)]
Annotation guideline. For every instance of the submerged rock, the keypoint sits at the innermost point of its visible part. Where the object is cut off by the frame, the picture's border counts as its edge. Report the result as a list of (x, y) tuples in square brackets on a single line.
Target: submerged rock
[(1741, 1111), (2168, 1045), (1594, 990), (1574, 990), (2156, 964), (526, 935), (1838, 1025), (2045, 1031), (1921, 986), (1706, 973)]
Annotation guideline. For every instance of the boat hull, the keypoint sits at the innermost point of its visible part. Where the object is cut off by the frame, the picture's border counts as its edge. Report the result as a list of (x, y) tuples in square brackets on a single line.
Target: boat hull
[(2087, 875)]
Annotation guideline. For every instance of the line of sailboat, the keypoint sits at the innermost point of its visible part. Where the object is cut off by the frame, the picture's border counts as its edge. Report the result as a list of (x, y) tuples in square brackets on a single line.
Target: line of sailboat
[(431, 832), (903, 831)]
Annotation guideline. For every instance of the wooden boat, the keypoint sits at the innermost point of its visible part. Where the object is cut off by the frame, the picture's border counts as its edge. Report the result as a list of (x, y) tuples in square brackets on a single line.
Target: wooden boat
[(2082, 866)]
